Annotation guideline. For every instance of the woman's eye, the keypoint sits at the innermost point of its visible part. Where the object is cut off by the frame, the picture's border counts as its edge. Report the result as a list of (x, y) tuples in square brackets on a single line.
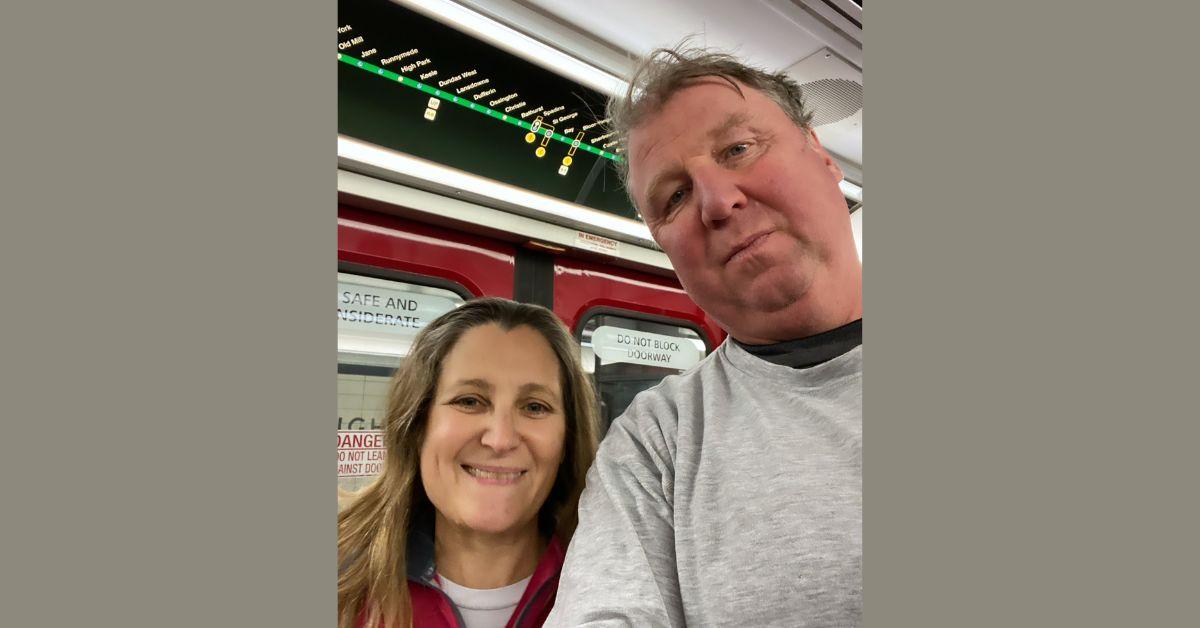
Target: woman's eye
[(468, 403), (536, 407)]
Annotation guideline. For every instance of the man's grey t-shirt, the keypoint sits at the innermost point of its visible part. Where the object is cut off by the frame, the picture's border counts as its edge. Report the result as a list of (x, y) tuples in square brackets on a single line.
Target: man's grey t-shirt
[(728, 495)]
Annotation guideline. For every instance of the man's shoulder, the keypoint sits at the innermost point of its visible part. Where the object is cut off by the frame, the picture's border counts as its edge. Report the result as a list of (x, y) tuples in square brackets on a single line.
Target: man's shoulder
[(678, 386), (657, 411)]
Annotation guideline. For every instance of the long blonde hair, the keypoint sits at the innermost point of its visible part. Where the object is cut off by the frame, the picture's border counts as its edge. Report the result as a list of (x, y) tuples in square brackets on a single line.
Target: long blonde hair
[(373, 530)]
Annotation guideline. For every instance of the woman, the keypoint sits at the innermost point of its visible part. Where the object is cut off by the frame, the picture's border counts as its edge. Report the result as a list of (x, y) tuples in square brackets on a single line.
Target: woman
[(490, 430)]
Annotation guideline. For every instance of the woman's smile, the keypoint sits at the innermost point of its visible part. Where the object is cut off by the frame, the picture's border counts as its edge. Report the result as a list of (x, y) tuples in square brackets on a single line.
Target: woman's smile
[(494, 475)]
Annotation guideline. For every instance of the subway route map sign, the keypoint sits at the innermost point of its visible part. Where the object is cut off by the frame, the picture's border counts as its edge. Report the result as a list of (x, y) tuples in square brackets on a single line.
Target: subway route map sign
[(412, 84)]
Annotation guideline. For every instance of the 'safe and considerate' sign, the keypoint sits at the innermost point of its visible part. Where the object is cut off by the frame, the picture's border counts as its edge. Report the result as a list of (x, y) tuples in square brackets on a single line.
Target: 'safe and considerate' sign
[(371, 308), (377, 319), (360, 453), (616, 344)]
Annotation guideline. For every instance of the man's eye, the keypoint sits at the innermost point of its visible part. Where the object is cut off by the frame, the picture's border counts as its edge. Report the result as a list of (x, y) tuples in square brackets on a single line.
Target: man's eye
[(675, 198), (737, 149)]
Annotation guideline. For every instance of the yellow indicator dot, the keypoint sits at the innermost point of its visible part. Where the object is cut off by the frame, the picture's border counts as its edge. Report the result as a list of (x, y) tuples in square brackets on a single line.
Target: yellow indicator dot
[(540, 152), (567, 160), (530, 137)]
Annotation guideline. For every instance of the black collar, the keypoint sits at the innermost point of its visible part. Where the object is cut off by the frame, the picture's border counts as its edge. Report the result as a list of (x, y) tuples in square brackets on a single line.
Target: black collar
[(810, 351)]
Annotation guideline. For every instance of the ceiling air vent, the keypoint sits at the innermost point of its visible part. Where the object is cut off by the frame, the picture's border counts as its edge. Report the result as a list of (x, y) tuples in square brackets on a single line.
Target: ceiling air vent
[(832, 100)]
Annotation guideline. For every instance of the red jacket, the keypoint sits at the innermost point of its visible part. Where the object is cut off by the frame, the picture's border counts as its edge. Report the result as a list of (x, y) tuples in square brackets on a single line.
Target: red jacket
[(432, 608)]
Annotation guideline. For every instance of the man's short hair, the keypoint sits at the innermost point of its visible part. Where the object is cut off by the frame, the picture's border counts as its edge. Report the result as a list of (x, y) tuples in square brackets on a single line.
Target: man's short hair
[(668, 70)]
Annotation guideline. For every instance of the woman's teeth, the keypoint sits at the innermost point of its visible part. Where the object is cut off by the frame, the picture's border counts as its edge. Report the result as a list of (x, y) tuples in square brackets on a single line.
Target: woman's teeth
[(494, 475)]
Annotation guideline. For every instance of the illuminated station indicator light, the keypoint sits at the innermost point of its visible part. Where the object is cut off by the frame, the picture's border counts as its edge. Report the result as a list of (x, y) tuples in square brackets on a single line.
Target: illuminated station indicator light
[(434, 103), (547, 132), (571, 151), (430, 113)]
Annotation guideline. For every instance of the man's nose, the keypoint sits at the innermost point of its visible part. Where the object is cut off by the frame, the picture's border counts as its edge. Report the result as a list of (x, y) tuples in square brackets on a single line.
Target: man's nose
[(500, 434), (718, 193)]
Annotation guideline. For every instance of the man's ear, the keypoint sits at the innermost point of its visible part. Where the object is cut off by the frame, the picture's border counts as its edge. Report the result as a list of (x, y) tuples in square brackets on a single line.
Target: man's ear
[(830, 163)]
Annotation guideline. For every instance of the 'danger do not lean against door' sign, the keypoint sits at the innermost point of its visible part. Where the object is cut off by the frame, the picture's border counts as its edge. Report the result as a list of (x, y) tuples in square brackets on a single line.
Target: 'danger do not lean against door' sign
[(360, 453)]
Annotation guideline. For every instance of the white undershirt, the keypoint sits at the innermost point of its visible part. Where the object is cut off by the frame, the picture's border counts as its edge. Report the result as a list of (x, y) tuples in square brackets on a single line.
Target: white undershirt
[(485, 608)]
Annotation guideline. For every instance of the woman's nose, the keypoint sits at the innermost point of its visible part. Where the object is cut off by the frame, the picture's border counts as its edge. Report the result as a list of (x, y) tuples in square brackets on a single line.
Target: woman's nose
[(501, 432)]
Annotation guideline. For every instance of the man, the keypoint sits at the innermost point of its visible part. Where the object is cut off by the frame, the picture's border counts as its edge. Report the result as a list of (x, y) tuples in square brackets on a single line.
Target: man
[(731, 495)]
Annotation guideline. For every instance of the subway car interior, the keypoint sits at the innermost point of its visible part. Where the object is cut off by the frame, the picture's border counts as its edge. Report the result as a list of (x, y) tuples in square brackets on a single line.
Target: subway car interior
[(473, 160)]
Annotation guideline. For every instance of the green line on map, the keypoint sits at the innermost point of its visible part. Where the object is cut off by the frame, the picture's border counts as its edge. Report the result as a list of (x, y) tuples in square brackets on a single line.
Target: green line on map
[(466, 103)]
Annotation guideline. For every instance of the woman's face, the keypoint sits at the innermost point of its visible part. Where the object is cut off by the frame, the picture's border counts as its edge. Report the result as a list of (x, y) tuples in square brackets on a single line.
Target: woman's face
[(494, 437)]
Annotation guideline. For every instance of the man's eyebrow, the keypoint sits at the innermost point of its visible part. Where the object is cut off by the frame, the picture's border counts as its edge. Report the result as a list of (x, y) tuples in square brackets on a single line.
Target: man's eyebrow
[(732, 120)]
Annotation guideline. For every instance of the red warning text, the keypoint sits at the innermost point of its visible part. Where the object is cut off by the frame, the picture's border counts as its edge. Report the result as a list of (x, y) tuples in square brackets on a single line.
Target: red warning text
[(360, 453)]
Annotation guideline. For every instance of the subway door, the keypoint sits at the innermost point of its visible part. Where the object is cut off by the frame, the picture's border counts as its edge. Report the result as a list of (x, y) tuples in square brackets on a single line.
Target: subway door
[(394, 276), (633, 328)]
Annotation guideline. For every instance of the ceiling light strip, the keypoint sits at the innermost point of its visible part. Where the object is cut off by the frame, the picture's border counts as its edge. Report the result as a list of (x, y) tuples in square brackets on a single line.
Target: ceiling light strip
[(519, 44), (419, 169)]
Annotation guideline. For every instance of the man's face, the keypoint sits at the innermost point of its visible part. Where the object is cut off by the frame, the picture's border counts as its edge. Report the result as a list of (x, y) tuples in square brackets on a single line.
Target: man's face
[(746, 204)]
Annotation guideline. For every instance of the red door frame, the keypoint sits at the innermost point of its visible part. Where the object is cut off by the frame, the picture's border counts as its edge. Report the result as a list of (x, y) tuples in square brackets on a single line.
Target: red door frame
[(581, 287), (486, 267), (481, 265)]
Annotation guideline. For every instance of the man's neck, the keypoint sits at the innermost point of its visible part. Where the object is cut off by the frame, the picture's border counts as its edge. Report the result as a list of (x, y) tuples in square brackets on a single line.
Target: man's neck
[(485, 561), (809, 351), (763, 334), (833, 302)]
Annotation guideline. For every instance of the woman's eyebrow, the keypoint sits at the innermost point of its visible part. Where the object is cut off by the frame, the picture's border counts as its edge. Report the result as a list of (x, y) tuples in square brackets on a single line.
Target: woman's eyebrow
[(534, 387), (473, 383)]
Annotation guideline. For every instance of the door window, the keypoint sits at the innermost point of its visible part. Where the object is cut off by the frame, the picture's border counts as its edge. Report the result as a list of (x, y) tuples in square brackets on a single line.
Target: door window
[(377, 322), (627, 355)]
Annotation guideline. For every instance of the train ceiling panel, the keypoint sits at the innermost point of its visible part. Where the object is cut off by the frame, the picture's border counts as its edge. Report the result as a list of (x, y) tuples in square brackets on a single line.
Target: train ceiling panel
[(781, 35)]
